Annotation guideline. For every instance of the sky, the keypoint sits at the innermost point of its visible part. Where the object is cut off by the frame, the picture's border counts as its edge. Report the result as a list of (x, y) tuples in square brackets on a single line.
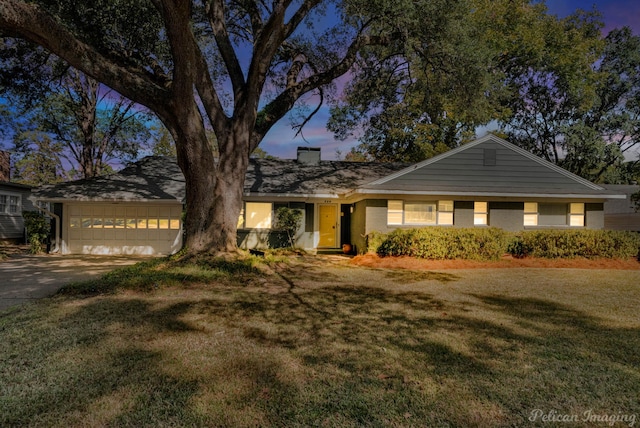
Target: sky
[(282, 142)]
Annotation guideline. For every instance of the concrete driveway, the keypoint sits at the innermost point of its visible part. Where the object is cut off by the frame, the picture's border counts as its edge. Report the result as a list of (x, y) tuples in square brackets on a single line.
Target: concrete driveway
[(26, 277)]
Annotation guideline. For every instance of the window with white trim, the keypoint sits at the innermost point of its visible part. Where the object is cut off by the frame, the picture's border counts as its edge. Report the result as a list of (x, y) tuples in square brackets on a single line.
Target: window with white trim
[(419, 212), (576, 215), (530, 213), (554, 214), (9, 204), (480, 213), (445, 213), (258, 215), (394, 212)]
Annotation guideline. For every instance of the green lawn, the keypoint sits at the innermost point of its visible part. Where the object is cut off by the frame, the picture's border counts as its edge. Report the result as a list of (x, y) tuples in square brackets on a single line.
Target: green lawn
[(317, 342)]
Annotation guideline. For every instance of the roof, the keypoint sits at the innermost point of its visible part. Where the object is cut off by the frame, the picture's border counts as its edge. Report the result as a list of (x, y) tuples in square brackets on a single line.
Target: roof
[(459, 172), (15, 186), (509, 171), (324, 179), (154, 178), (157, 178)]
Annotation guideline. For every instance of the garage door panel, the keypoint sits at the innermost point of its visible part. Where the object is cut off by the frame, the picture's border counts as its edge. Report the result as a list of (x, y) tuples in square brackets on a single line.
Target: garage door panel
[(123, 229)]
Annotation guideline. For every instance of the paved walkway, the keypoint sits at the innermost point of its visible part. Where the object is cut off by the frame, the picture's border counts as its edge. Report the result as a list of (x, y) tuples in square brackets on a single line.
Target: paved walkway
[(26, 277)]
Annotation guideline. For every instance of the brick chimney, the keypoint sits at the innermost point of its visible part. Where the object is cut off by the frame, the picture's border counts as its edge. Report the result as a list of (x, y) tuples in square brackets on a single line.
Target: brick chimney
[(5, 166), (309, 155)]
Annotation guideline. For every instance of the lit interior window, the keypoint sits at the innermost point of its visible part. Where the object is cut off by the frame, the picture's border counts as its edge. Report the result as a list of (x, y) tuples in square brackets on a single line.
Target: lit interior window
[(258, 215), (530, 213), (394, 212), (576, 214), (480, 213)]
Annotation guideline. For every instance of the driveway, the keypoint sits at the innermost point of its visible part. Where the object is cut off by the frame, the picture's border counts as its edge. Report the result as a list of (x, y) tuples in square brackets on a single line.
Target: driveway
[(26, 277)]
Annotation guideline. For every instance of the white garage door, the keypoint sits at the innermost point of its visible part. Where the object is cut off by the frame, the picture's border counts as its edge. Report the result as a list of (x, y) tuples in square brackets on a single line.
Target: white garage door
[(102, 228)]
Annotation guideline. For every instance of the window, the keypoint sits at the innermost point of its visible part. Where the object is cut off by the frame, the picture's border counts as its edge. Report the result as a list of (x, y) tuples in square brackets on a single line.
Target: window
[(140, 218), (550, 214), (445, 213), (480, 213), (530, 213), (419, 213), (576, 215), (9, 204), (394, 212), (489, 157), (258, 215)]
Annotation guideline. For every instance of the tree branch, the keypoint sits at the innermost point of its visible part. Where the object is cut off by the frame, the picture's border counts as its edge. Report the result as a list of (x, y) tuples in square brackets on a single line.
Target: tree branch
[(30, 22), (215, 13), (277, 108)]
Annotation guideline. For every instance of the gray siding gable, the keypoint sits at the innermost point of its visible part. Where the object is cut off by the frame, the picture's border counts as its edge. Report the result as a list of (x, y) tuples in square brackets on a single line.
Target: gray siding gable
[(489, 165)]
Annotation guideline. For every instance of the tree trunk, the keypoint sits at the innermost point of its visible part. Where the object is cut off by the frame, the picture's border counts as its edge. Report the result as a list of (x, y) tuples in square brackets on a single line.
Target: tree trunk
[(214, 188)]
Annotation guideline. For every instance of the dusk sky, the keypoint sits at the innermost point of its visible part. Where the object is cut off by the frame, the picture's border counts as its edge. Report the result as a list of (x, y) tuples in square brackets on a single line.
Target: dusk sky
[(281, 142)]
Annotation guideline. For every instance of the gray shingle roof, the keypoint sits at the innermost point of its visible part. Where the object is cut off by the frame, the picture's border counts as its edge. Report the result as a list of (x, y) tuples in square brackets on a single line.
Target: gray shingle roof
[(325, 178), (152, 178), (160, 178)]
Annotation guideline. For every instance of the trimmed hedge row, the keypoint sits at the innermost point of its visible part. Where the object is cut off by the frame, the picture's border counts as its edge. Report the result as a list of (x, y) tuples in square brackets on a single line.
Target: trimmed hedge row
[(611, 244), (440, 243)]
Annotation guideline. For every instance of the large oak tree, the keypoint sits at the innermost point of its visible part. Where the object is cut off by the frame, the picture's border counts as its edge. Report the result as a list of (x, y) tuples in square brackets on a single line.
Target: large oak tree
[(235, 66)]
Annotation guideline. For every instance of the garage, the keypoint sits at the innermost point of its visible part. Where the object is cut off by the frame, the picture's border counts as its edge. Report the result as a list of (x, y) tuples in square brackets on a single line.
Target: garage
[(136, 211), (116, 229)]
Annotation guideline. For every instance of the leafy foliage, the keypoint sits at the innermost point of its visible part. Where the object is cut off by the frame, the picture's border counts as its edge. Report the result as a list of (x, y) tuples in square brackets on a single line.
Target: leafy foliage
[(38, 227), (289, 220), (575, 243), (583, 120), (465, 65), (440, 243), (72, 128), (437, 243)]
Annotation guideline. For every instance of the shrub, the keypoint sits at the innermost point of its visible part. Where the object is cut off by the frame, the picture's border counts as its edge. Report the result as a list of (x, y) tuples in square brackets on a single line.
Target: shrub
[(575, 243), (374, 240), (37, 226), (288, 220), (439, 243)]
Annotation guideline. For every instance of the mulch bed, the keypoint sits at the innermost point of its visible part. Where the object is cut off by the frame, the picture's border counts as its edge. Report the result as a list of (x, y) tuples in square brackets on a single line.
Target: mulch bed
[(373, 260)]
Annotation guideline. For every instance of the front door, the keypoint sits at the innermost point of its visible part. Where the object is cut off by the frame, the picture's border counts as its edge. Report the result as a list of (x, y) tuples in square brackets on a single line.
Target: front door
[(327, 225)]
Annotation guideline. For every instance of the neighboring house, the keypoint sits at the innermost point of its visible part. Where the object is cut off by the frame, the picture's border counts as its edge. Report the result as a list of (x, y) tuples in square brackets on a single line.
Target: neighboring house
[(488, 182), (621, 214), (14, 199)]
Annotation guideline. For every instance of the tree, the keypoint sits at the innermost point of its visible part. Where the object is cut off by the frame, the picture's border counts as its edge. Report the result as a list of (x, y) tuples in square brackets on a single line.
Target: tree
[(464, 66), (93, 126), (41, 163), (178, 58), (164, 145), (289, 220), (413, 100), (584, 121)]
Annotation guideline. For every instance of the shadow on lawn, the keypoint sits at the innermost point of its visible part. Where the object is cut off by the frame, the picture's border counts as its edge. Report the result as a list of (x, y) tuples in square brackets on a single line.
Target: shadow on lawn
[(367, 355)]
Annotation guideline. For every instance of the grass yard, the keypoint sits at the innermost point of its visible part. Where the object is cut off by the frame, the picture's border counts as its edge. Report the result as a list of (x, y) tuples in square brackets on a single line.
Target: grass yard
[(320, 342)]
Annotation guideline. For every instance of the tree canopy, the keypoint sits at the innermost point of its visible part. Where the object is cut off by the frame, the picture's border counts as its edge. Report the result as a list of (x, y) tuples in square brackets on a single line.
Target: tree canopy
[(475, 66), (585, 121)]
